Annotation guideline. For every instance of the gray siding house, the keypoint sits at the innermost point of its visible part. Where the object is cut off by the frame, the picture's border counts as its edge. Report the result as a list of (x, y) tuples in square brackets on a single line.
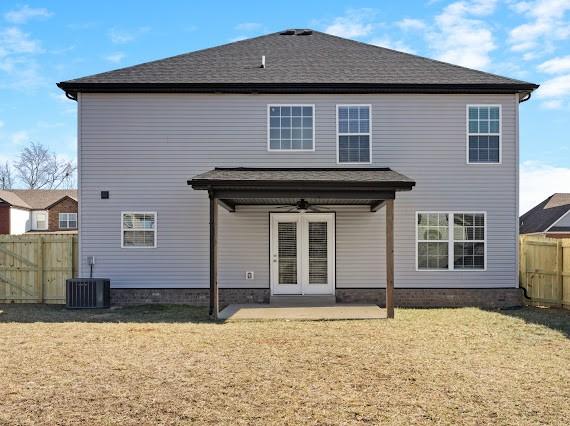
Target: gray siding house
[(277, 166)]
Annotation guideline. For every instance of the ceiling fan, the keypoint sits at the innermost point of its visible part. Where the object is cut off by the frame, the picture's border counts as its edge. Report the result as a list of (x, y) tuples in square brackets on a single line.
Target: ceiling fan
[(303, 206)]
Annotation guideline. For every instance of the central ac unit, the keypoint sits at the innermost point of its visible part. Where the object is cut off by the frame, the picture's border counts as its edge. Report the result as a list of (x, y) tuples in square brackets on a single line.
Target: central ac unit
[(88, 293)]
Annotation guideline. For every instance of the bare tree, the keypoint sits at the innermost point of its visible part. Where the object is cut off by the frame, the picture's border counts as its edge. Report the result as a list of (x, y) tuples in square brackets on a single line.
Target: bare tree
[(38, 168), (6, 178)]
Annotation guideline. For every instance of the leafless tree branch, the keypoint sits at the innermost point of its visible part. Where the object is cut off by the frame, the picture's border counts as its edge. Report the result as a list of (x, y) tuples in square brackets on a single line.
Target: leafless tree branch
[(38, 168)]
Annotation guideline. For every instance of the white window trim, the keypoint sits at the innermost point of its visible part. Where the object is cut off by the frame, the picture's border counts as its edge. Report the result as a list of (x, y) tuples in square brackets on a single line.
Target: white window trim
[(484, 134), (269, 128), (155, 230), (451, 240), (66, 221), (355, 134), (35, 220)]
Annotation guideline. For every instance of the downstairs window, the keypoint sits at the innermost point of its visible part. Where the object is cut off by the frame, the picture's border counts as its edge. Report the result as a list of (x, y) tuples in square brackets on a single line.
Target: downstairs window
[(451, 241)]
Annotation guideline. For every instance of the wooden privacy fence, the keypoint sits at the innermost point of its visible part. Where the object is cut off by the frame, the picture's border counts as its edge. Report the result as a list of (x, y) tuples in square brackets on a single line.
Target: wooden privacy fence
[(33, 268), (545, 269)]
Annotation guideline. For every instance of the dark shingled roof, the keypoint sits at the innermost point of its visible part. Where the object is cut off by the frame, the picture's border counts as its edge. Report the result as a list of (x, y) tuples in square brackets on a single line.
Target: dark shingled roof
[(252, 176), (539, 218), (315, 62)]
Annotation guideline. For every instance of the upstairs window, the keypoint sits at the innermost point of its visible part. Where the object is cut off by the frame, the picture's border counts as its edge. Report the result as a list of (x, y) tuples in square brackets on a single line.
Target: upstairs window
[(484, 133), (138, 230), (353, 126), (67, 220), (291, 127)]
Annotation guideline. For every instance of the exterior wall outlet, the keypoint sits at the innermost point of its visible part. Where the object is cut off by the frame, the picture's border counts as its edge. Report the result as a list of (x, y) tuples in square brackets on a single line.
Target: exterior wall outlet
[(249, 275), (91, 260)]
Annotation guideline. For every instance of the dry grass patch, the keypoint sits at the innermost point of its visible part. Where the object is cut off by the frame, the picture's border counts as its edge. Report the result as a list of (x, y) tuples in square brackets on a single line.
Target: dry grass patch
[(168, 365)]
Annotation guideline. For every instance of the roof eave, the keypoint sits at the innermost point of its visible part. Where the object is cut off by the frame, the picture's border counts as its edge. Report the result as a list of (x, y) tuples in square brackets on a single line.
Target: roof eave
[(72, 88)]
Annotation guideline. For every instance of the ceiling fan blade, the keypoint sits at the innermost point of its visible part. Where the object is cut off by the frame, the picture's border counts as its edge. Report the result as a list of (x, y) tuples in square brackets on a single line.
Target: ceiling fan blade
[(319, 209), (284, 206)]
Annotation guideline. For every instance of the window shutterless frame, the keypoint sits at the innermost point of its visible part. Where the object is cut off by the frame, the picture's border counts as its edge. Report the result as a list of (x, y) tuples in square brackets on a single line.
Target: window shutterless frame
[(500, 134), (66, 219), (155, 230), (369, 134), (269, 127), (451, 240)]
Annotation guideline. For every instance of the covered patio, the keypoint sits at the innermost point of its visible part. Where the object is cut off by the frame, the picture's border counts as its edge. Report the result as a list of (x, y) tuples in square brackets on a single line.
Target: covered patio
[(304, 190)]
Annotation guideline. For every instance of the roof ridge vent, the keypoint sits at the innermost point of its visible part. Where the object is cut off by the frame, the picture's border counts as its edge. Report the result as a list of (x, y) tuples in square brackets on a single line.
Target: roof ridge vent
[(288, 32), (303, 32)]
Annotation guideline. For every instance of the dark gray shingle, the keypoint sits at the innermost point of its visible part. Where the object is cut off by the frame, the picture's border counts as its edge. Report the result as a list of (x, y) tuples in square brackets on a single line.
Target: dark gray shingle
[(315, 59), (540, 217)]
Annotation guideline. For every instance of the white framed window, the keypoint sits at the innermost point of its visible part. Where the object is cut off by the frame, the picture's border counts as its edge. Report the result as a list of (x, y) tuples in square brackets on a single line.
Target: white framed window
[(40, 220), (447, 241), (484, 134), (67, 220), (138, 229), (291, 127), (354, 137)]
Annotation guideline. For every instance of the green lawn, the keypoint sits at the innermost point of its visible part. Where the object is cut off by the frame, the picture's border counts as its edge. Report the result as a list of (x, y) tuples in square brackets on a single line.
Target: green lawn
[(169, 365)]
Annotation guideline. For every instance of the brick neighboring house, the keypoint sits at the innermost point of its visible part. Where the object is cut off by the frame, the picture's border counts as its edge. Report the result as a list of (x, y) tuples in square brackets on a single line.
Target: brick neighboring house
[(38, 211)]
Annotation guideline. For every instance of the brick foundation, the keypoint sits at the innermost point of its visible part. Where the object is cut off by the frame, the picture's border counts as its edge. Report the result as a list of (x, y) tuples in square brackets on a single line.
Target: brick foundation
[(404, 297), (187, 296), (435, 298)]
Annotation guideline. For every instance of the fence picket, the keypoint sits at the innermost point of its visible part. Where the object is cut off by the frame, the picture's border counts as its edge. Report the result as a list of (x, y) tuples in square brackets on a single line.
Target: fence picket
[(34, 267), (545, 269)]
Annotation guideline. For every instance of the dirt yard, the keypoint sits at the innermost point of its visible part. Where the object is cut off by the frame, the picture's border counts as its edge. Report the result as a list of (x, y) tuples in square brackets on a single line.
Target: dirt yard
[(168, 365)]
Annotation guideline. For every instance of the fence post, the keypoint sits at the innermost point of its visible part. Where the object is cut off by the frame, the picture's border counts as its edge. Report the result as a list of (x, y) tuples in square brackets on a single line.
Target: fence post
[(40, 268), (559, 270)]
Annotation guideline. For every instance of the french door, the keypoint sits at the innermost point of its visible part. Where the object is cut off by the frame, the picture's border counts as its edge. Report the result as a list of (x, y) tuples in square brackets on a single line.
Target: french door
[(302, 253)]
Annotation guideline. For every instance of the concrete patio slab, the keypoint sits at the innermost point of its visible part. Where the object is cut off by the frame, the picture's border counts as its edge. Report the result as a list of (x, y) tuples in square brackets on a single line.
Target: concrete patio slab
[(303, 313)]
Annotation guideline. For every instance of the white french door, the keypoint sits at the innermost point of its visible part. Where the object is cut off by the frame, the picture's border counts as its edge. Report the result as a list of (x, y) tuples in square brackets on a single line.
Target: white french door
[(302, 253)]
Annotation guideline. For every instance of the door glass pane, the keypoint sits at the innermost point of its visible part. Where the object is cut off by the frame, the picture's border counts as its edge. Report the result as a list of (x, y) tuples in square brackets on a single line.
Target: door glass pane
[(287, 251), (318, 259)]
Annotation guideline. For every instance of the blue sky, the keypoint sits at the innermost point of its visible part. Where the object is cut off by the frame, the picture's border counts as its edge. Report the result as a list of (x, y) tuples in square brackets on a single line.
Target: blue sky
[(43, 42)]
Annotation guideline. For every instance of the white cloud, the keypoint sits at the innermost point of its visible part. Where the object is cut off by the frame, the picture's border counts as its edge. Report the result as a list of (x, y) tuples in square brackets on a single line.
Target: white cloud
[(462, 38), (392, 44), (122, 36), (20, 137), (60, 97), (409, 24), (238, 38), (17, 61), (1, 124), (556, 65), (546, 25), (355, 23), (556, 87), (15, 41), (25, 13), (115, 57), (538, 181), (248, 26), (552, 104)]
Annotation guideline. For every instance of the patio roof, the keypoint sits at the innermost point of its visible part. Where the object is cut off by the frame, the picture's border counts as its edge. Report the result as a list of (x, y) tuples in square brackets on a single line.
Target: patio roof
[(273, 186)]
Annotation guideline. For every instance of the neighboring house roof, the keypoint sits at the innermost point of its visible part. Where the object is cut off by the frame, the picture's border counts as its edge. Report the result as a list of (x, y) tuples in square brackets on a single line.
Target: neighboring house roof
[(297, 61), (11, 198), (36, 199), (545, 214)]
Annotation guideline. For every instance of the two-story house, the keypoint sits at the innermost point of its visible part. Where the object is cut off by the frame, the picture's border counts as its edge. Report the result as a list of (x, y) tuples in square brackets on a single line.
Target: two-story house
[(300, 163)]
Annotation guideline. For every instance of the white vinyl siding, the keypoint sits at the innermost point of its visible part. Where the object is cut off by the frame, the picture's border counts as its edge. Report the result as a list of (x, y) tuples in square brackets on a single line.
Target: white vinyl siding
[(68, 220), (144, 147), (138, 230)]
